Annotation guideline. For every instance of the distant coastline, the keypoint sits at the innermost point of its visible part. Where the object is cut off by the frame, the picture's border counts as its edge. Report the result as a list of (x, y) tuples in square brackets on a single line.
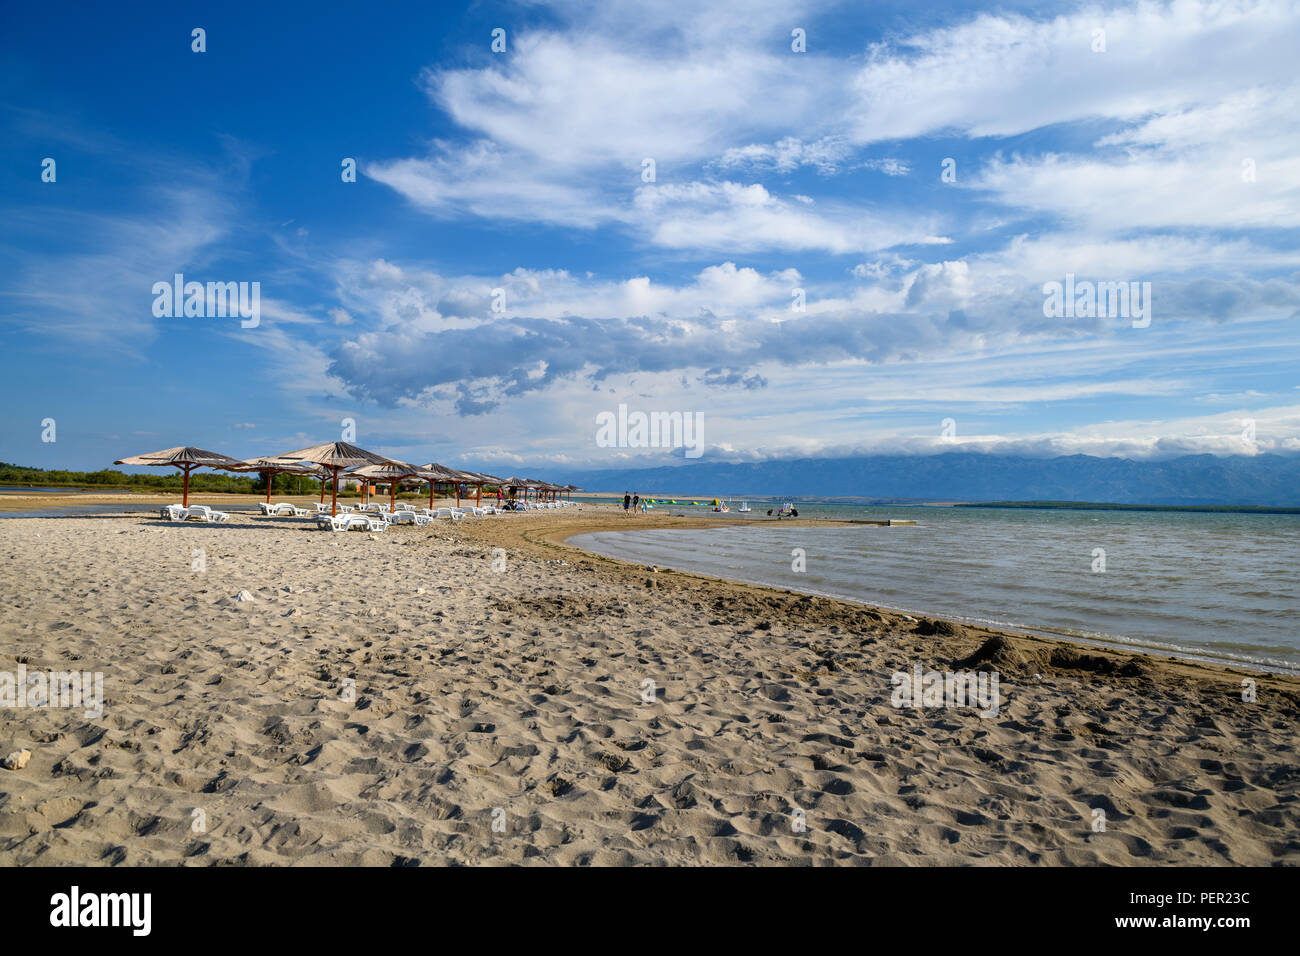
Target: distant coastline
[(1108, 506)]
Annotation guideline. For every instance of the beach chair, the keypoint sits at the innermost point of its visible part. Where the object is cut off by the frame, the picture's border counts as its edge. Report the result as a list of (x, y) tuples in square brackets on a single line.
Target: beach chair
[(349, 522), (321, 507), (173, 513), (204, 513), (403, 516), (405, 506), (451, 513)]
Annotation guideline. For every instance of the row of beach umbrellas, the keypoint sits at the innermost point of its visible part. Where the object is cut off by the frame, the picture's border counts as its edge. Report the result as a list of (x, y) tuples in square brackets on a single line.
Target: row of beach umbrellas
[(332, 459)]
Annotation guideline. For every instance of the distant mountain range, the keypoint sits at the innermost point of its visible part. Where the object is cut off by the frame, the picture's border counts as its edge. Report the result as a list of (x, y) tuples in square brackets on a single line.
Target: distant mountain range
[(970, 476)]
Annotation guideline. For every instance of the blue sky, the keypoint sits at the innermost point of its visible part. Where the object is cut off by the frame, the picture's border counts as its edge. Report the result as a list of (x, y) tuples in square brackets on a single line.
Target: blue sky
[(1169, 157)]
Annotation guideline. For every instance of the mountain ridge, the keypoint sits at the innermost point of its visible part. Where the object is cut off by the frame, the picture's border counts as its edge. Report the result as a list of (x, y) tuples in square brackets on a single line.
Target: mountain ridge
[(1270, 480)]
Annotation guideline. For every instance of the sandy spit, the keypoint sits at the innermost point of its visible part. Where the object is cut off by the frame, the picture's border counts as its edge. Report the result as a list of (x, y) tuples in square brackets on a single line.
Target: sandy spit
[(477, 694)]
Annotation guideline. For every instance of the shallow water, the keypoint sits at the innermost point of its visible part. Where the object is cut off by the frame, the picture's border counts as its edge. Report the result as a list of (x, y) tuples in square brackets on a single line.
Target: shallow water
[(1222, 587)]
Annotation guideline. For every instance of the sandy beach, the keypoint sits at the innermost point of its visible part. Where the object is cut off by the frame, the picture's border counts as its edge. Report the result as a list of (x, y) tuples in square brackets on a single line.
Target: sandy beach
[(478, 693)]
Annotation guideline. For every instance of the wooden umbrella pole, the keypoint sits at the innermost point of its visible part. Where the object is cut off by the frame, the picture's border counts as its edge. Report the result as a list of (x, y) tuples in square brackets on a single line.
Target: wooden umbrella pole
[(334, 493), (269, 476), (478, 494), (185, 498)]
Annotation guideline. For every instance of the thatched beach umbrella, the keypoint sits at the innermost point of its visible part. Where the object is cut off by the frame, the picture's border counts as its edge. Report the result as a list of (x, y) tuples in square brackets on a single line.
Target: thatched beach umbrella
[(272, 467), (334, 457), (570, 489), (390, 471), (434, 472), (542, 487), (513, 485), (186, 458), (479, 479)]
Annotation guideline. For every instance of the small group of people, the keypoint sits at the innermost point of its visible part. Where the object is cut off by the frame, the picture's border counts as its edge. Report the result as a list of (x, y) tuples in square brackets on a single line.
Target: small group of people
[(633, 503)]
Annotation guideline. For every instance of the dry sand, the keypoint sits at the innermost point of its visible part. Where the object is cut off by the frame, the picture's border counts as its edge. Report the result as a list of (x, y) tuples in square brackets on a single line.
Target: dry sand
[(516, 698)]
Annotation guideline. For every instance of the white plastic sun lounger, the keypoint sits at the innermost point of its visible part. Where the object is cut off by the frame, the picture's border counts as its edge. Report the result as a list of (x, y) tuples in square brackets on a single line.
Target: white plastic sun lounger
[(349, 522), (281, 508), (173, 513), (204, 513), (408, 517), (451, 513)]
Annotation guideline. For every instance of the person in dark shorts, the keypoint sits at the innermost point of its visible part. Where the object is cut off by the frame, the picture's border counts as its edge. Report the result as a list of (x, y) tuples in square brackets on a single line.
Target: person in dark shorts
[(627, 501)]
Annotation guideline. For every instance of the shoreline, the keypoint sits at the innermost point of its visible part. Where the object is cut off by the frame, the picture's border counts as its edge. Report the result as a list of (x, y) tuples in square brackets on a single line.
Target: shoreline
[(612, 512), (1116, 643), (559, 539)]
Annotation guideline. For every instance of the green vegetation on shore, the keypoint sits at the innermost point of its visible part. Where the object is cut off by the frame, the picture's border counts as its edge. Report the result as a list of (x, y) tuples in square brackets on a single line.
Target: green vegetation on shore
[(165, 480), (212, 482)]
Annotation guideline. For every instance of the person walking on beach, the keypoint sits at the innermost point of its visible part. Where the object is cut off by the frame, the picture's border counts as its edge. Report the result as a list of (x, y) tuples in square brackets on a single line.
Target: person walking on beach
[(636, 503), (627, 501)]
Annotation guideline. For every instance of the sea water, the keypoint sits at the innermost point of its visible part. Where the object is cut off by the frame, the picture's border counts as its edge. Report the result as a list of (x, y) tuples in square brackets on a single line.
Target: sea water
[(1212, 586)]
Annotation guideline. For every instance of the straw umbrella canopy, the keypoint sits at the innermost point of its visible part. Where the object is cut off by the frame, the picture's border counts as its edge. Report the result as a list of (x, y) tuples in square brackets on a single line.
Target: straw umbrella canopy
[(538, 485), (479, 479), (513, 484), (186, 458), (334, 457), (434, 472), (272, 467), (390, 471), (570, 489)]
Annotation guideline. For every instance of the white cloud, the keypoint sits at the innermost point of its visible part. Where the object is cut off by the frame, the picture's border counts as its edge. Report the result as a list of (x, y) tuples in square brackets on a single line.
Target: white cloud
[(997, 75)]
